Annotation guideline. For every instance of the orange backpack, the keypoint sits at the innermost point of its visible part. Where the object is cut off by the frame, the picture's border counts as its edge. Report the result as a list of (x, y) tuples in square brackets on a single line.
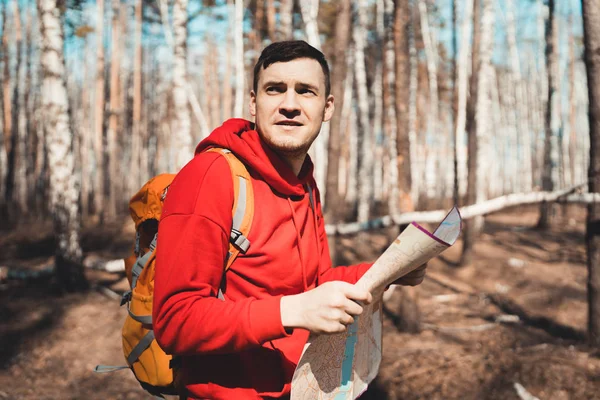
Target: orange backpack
[(151, 366)]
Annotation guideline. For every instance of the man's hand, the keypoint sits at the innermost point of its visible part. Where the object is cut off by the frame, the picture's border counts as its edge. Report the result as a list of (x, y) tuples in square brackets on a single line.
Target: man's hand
[(413, 278), (328, 308)]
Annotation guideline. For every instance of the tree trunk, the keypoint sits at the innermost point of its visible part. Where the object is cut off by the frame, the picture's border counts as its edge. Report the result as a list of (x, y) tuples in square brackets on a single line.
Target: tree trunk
[(365, 159), (390, 123), (115, 111), (183, 136), (238, 36), (462, 72), (227, 92), (137, 140), (403, 78), (286, 8), (64, 186), (333, 197), (470, 231), (432, 136), (16, 157), (99, 113), (271, 19), (591, 29), (549, 169), (7, 110)]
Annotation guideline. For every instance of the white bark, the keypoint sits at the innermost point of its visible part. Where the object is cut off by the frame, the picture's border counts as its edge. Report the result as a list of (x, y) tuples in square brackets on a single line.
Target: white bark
[(310, 11), (352, 188), (390, 62), (238, 37), (377, 94), (183, 136), (483, 106), (346, 125), (64, 182), (522, 121), (433, 131), (415, 155), (365, 184)]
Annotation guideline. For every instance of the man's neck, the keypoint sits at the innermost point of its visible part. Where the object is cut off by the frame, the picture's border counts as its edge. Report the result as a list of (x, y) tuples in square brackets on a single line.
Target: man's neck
[(295, 162)]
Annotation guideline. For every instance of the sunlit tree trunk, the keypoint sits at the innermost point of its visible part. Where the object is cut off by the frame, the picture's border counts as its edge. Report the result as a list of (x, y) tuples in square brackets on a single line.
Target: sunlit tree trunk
[(285, 15), (64, 187), (591, 29), (239, 58), (462, 73), (99, 113), (479, 129), (115, 111), (403, 73), (183, 136), (137, 162), (522, 129), (333, 197), (552, 117), (377, 95), (365, 159), (227, 91), (347, 173), (390, 124), (271, 19), (433, 108)]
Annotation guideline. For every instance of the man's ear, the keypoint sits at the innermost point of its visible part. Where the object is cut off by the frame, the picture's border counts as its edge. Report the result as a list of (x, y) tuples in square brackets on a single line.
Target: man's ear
[(329, 108), (252, 103)]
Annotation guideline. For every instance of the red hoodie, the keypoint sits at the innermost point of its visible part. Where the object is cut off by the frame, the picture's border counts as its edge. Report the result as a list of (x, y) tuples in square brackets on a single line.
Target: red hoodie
[(238, 348)]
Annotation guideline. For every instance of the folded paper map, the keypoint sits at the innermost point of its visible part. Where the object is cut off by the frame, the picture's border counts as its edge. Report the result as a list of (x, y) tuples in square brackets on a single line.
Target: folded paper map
[(341, 366)]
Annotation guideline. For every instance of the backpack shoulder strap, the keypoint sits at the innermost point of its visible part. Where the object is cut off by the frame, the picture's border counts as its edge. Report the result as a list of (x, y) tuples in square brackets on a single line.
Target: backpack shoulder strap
[(243, 205)]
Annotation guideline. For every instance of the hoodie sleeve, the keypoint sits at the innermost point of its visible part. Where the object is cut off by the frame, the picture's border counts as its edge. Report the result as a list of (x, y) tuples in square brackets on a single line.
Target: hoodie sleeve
[(193, 239), (351, 273)]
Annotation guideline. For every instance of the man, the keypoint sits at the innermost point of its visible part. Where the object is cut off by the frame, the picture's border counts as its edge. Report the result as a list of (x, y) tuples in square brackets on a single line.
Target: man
[(283, 288)]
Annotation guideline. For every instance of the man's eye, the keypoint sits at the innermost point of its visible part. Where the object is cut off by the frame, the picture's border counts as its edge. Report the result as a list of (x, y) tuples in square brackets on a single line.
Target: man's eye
[(305, 91), (274, 89)]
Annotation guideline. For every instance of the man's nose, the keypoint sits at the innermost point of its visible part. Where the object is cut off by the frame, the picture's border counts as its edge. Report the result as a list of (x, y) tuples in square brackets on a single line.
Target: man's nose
[(289, 104)]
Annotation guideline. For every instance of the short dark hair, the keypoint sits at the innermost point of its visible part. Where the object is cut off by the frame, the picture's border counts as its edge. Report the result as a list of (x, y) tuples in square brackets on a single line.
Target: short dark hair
[(287, 51)]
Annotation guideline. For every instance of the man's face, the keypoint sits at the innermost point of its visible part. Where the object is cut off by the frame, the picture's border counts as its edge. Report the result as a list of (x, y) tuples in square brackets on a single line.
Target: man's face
[(290, 105)]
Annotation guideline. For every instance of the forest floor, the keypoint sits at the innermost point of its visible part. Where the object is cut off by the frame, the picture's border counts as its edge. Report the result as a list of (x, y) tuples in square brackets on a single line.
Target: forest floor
[(516, 315)]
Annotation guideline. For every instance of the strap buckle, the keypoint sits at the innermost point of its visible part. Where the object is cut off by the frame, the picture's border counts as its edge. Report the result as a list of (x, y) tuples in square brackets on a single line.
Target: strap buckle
[(240, 241)]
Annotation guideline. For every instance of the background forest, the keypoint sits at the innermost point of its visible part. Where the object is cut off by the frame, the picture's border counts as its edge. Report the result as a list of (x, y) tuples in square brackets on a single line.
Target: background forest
[(491, 105)]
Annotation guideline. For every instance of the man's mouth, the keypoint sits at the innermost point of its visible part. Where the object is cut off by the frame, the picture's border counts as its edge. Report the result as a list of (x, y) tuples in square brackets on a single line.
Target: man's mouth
[(289, 123)]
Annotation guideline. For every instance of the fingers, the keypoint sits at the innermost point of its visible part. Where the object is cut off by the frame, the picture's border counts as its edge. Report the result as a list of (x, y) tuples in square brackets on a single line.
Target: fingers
[(353, 293)]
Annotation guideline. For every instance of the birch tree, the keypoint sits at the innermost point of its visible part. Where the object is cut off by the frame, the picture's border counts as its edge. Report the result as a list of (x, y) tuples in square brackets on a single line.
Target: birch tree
[(549, 169), (238, 36), (403, 92), (462, 74), (64, 185), (99, 112), (433, 109), (390, 124), (310, 12), (333, 197), (479, 139), (365, 163), (591, 29), (183, 135), (137, 161), (115, 105)]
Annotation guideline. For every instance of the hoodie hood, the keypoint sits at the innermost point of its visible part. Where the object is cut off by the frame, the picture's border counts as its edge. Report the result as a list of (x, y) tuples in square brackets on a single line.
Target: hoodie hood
[(239, 136)]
